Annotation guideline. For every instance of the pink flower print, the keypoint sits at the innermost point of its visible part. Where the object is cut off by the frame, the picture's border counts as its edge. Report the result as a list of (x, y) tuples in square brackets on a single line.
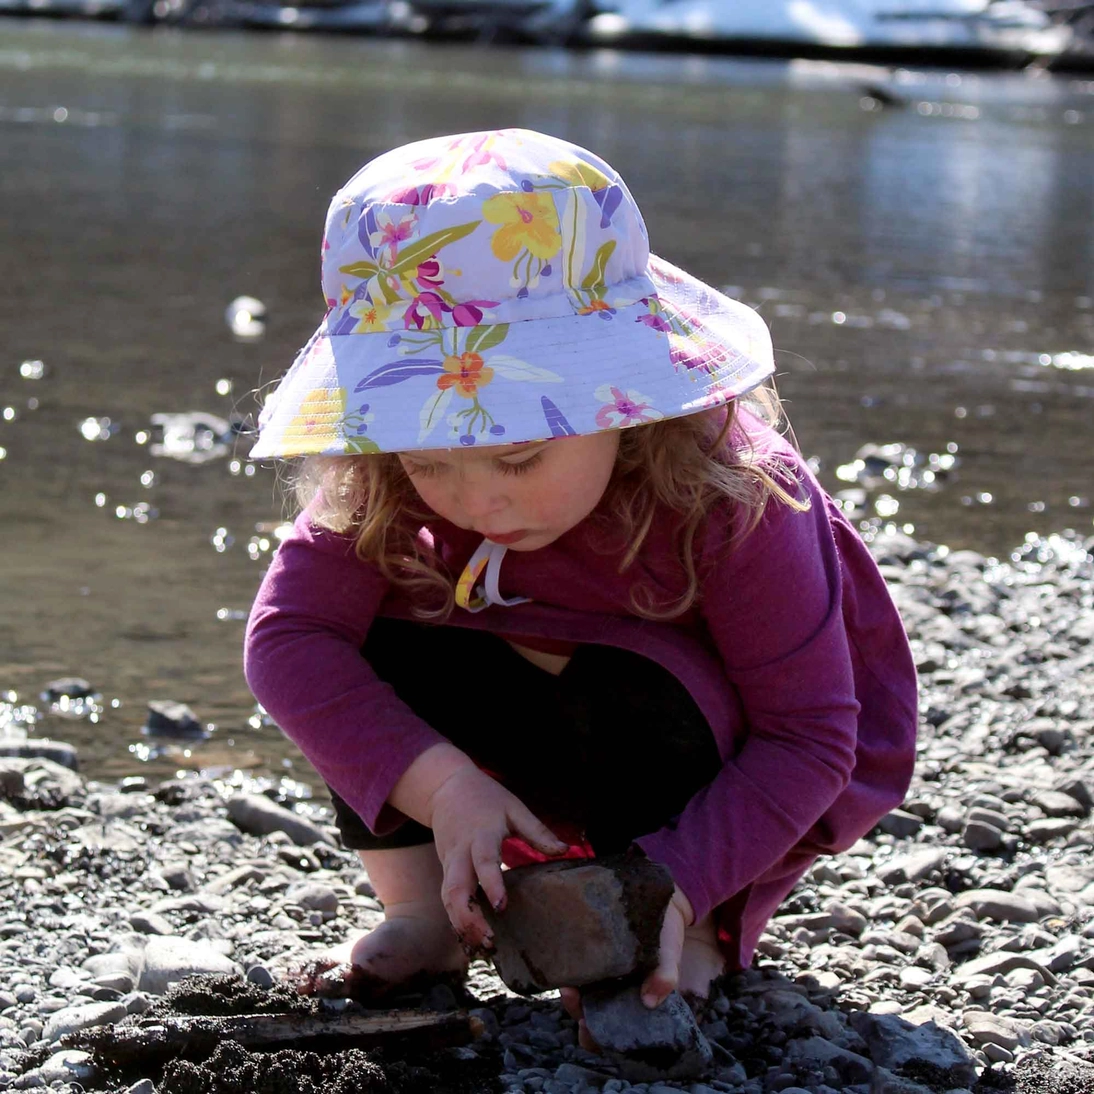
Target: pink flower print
[(425, 312), (429, 273), (391, 233), (421, 195), (623, 408), (481, 155)]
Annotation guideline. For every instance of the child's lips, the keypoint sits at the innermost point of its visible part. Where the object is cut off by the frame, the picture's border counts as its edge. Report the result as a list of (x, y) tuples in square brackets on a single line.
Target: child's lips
[(506, 538)]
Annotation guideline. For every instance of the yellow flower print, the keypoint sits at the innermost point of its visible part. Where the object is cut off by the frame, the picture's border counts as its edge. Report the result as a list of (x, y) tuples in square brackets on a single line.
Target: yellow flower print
[(579, 174), (371, 318), (528, 222), (315, 425)]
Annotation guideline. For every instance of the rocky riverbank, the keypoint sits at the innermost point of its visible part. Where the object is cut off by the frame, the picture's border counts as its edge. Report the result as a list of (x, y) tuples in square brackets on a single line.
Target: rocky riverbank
[(951, 950)]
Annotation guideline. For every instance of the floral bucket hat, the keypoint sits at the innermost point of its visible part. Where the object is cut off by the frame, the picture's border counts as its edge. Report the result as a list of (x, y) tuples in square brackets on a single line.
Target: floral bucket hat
[(496, 288)]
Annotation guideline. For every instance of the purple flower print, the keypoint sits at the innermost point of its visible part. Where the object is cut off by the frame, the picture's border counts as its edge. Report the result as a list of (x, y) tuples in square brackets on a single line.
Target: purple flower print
[(608, 199), (429, 308), (467, 315), (657, 322), (434, 307), (429, 272), (556, 420), (420, 195)]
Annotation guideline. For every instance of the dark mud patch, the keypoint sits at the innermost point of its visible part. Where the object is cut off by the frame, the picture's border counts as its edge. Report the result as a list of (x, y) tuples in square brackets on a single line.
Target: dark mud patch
[(226, 995), (324, 979), (412, 1062), (232, 1069), (1044, 1073)]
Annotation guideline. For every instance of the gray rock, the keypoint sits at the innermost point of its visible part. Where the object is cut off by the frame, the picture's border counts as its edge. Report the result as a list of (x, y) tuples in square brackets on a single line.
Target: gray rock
[(648, 1044), (178, 876), (999, 963), (261, 976), (150, 923), (1043, 831), (912, 867), (38, 783), (42, 748), (900, 824), (67, 1066), (995, 1029), (979, 836), (896, 1042), (260, 816), (84, 1016), (169, 960), (819, 1052), (1057, 803), (998, 905), (312, 895), (142, 1086), (233, 879)]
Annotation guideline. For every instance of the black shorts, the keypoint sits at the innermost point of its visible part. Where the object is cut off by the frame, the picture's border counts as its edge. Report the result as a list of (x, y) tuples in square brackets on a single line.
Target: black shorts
[(613, 744)]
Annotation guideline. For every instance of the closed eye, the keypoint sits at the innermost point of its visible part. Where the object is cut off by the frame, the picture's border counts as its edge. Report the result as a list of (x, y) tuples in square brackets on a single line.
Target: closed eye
[(521, 468)]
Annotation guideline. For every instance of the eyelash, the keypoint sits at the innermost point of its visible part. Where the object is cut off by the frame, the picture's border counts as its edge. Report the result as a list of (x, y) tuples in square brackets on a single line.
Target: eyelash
[(428, 470), (521, 468)]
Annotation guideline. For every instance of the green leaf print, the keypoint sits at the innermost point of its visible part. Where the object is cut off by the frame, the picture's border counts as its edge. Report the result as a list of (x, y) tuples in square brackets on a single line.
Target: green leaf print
[(412, 256), (594, 279), (362, 446), (486, 337), (363, 270)]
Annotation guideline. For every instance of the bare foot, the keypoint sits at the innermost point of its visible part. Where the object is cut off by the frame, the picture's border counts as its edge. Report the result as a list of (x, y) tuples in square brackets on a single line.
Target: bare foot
[(409, 941), (412, 944)]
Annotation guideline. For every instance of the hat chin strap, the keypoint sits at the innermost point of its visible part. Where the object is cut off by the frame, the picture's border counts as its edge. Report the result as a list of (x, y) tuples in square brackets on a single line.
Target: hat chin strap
[(474, 598)]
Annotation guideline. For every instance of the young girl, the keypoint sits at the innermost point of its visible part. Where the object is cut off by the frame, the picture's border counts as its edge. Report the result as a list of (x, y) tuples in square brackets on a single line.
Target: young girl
[(558, 586)]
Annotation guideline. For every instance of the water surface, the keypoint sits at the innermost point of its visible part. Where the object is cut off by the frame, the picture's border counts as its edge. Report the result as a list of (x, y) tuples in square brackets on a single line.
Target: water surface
[(927, 272)]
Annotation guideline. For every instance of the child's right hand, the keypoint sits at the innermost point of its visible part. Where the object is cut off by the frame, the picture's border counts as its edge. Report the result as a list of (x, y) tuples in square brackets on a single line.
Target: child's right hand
[(470, 814)]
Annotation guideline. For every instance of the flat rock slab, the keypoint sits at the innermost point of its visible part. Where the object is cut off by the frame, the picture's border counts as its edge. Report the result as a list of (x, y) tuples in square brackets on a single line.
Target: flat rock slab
[(84, 1016), (662, 1043), (573, 922)]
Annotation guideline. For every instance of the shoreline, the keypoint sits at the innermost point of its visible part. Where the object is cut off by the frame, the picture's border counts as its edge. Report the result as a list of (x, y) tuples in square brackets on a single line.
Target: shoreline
[(968, 913)]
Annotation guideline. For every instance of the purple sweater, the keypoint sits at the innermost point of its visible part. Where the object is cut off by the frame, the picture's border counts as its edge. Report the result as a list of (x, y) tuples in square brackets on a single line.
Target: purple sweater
[(794, 653)]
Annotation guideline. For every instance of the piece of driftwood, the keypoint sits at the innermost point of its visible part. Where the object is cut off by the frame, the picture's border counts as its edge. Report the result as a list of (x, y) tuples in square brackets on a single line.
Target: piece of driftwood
[(198, 1037)]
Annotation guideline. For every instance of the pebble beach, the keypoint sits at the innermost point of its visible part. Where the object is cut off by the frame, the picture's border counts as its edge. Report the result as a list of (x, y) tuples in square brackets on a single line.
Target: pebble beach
[(951, 950)]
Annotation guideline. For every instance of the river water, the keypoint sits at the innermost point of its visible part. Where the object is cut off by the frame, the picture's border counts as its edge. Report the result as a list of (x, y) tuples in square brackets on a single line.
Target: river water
[(926, 267)]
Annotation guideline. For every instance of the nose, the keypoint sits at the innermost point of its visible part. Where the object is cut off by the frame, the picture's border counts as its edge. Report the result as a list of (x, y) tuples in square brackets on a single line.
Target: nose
[(481, 497)]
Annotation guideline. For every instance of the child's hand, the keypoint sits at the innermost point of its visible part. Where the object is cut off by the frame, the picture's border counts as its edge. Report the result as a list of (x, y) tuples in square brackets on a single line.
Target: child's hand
[(470, 814), (660, 983)]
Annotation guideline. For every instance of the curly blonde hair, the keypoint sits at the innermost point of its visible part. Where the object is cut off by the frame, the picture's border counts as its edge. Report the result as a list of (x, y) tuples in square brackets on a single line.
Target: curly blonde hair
[(687, 465)]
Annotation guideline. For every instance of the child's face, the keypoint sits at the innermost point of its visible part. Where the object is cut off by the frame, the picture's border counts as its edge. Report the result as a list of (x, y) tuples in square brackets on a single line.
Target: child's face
[(522, 495)]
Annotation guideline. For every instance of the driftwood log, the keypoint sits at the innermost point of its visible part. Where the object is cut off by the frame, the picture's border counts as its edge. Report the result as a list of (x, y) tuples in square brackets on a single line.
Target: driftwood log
[(196, 1038)]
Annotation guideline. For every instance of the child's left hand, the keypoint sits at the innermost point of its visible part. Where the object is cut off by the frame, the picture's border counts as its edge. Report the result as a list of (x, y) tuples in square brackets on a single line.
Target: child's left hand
[(660, 983)]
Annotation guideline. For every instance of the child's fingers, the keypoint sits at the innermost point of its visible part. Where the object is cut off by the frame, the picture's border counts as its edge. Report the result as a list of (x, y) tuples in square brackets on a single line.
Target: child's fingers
[(457, 893), (663, 980), (571, 1003), (528, 826), (486, 857)]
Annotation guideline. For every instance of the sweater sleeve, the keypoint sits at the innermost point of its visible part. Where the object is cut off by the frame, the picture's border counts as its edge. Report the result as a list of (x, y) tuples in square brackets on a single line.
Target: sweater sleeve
[(774, 613), (303, 663)]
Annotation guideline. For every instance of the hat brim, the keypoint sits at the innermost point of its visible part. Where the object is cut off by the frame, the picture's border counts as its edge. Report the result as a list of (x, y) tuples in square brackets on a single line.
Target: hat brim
[(666, 347)]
